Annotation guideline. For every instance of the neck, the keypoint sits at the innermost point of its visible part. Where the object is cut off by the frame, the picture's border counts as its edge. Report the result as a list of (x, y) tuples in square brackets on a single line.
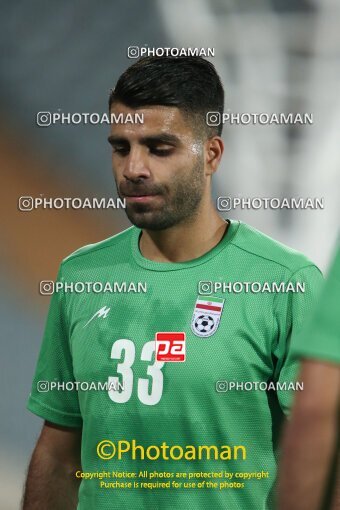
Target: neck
[(184, 241)]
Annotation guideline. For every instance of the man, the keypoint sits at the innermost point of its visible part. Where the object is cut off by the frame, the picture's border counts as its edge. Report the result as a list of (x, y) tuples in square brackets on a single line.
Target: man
[(208, 447), (310, 455)]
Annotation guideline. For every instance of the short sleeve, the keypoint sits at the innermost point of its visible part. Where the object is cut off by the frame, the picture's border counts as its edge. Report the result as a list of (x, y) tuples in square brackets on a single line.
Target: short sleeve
[(321, 337), (292, 312), (51, 398)]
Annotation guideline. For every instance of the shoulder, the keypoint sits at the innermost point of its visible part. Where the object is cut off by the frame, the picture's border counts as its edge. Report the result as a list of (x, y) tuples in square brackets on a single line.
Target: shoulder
[(258, 247), (109, 249)]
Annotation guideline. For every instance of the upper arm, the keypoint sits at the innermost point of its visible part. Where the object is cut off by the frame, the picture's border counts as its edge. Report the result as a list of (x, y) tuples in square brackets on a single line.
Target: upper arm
[(292, 308), (63, 444), (54, 370), (321, 389)]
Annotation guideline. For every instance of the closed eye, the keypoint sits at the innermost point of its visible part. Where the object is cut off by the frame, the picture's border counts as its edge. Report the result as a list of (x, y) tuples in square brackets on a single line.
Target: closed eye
[(161, 152), (121, 150)]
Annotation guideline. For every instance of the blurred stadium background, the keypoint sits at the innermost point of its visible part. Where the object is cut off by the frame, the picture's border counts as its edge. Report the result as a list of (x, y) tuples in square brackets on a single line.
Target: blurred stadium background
[(273, 56)]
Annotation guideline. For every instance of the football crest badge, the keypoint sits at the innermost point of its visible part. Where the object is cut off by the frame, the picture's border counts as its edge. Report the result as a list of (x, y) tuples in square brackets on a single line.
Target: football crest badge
[(207, 315)]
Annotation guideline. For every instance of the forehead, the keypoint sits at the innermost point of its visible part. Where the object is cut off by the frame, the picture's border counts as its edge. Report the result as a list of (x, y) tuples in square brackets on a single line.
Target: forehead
[(156, 119)]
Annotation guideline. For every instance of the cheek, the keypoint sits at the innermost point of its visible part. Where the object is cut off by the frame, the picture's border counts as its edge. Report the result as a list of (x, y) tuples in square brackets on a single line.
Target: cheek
[(196, 149), (169, 172), (194, 155), (117, 166), (177, 164)]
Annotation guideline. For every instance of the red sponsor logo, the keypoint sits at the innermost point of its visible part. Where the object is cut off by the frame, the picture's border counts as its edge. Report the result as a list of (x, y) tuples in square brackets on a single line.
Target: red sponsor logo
[(170, 346)]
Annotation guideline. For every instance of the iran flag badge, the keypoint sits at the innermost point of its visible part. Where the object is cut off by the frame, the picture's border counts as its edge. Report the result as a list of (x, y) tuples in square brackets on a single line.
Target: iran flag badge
[(207, 315)]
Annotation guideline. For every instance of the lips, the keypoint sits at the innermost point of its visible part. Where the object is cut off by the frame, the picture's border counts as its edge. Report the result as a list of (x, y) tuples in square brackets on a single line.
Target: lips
[(139, 198), (140, 195)]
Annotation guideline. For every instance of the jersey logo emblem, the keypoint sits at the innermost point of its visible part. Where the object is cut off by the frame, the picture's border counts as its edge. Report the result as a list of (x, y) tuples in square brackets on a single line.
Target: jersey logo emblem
[(170, 346), (206, 316), (101, 313)]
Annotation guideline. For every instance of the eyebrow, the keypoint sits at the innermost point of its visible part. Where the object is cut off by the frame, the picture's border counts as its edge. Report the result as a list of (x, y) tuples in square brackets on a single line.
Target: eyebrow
[(147, 140)]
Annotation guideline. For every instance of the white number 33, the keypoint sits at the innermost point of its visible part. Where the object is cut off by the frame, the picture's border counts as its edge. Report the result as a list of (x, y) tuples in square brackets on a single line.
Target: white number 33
[(125, 369)]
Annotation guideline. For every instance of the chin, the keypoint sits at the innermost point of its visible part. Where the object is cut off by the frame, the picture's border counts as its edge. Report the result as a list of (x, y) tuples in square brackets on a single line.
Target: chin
[(151, 223)]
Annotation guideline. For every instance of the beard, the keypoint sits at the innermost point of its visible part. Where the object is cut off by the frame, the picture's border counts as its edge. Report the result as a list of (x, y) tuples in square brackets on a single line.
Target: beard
[(178, 202)]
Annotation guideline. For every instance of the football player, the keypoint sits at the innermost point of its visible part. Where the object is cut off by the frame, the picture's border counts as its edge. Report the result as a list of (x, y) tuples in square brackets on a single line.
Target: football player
[(308, 479), (194, 263)]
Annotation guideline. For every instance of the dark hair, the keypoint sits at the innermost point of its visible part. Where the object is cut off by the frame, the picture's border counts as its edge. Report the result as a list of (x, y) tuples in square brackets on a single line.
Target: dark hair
[(188, 83)]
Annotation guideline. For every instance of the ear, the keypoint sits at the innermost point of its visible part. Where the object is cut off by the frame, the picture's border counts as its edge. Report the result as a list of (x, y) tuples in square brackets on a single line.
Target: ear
[(214, 148)]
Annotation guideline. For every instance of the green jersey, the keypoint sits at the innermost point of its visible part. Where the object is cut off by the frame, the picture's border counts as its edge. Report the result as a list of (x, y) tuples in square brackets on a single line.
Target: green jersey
[(179, 374), (321, 337)]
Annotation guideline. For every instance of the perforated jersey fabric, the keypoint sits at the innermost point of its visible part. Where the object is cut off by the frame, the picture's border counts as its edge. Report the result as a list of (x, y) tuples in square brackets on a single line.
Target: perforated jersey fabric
[(176, 402)]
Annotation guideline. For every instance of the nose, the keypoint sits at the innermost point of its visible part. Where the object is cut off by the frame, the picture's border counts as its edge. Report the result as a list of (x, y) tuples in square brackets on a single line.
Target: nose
[(135, 164)]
